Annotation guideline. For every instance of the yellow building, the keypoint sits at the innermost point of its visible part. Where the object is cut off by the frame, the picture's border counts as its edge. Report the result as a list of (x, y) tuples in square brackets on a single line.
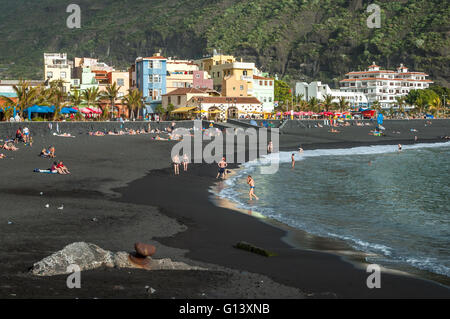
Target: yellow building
[(179, 97), (57, 67), (233, 79), (180, 74), (206, 64)]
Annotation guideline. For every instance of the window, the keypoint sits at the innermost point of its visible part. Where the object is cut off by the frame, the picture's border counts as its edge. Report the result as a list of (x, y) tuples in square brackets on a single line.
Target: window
[(154, 78), (244, 72), (153, 64), (120, 82), (197, 76), (260, 82), (178, 100), (50, 74), (241, 88), (270, 83), (63, 75), (265, 83), (76, 82), (169, 100), (270, 99)]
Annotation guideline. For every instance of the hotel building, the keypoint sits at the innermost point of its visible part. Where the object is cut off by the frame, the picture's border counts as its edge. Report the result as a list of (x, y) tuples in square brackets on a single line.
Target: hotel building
[(384, 85)]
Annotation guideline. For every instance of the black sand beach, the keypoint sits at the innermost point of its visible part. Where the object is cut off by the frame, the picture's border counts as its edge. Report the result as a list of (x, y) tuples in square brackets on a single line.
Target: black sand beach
[(149, 204)]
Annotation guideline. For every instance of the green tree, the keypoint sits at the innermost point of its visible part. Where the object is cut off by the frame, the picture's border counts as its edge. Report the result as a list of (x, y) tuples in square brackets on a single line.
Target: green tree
[(282, 94), (133, 100), (327, 102), (111, 93)]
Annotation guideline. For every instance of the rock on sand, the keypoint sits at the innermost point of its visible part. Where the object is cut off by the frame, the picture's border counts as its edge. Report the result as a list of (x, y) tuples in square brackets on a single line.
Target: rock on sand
[(89, 256)]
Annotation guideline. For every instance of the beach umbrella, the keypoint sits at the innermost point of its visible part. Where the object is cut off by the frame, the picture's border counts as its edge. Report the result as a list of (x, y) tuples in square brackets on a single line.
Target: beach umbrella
[(86, 110)]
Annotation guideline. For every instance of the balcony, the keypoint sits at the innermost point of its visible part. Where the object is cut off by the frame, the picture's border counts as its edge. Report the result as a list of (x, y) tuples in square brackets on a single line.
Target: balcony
[(246, 78)]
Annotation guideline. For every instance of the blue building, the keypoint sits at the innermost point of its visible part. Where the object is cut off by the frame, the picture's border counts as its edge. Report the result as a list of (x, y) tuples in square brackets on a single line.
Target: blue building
[(151, 80)]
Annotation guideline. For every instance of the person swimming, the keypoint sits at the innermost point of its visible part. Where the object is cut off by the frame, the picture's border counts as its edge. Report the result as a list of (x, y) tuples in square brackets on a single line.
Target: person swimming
[(399, 147)]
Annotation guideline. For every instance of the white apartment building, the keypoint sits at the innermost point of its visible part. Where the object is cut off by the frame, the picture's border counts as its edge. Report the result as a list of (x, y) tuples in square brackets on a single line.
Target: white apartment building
[(57, 67), (319, 90), (384, 85)]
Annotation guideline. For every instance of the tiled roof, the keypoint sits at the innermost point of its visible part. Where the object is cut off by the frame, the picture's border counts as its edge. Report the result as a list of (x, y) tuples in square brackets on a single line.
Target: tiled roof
[(257, 77), (384, 79), (183, 91), (231, 100)]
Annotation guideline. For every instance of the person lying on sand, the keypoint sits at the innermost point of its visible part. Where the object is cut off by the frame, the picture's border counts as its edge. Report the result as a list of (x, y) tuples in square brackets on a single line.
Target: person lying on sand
[(9, 147), (44, 153), (2, 156), (334, 131)]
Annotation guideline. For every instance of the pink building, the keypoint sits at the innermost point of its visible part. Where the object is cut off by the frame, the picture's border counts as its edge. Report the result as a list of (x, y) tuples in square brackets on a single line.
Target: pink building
[(202, 80)]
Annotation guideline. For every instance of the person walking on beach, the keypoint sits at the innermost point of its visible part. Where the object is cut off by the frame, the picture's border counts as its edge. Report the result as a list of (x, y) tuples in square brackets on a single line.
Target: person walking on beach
[(176, 164), (293, 160), (251, 183), (26, 135), (185, 162), (222, 168)]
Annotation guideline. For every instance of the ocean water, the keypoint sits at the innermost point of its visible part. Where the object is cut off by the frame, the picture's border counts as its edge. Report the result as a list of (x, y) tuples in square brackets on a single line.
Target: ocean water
[(393, 205)]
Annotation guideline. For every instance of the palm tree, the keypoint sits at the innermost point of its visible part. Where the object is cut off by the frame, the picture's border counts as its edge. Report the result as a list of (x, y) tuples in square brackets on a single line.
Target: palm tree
[(133, 100), (314, 104), (91, 96), (401, 103), (327, 102), (421, 104), (76, 98), (436, 106), (57, 97), (111, 93), (26, 97), (343, 104)]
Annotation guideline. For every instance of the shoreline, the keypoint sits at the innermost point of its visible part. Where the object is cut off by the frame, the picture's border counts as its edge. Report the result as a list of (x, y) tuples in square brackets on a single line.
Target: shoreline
[(302, 239), (212, 231), (173, 213)]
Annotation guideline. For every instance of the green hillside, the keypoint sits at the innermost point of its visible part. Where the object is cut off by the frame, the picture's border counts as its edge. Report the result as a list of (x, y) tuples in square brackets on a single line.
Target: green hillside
[(297, 39)]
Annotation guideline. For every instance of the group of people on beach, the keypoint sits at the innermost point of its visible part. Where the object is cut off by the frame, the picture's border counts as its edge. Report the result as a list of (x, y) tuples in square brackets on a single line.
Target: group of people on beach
[(177, 162), (22, 136)]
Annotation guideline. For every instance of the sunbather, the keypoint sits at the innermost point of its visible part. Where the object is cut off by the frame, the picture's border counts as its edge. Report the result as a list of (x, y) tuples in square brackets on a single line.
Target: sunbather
[(62, 169)]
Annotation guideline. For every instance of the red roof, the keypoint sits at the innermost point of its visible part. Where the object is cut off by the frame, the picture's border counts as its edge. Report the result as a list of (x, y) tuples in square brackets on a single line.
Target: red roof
[(257, 77), (230, 100), (184, 91), (155, 57), (384, 79)]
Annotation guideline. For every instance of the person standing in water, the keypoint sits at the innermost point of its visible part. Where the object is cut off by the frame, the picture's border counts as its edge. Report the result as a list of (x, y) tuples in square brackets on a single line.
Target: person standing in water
[(293, 160), (399, 147), (251, 183), (222, 168)]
